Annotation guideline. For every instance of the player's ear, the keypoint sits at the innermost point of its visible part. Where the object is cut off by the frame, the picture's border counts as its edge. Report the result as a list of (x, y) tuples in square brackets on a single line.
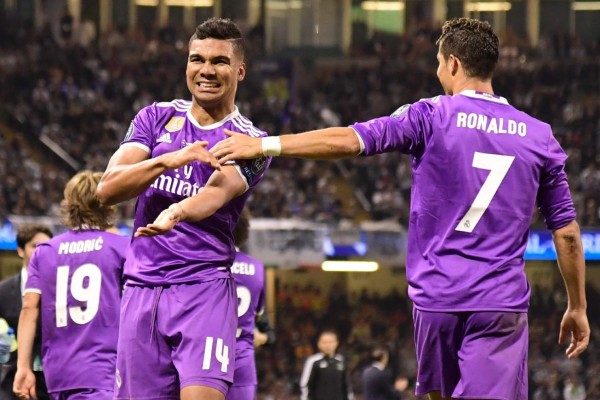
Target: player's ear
[(453, 64), (241, 72), (20, 252)]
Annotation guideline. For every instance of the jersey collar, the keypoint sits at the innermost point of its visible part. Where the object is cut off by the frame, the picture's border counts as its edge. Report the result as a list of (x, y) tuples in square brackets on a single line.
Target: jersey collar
[(484, 96), (217, 124)]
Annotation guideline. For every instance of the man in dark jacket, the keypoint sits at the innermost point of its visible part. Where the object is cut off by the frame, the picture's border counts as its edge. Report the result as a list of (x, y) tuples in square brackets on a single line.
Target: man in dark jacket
[(324, 376), (377, 380), (11, 293)]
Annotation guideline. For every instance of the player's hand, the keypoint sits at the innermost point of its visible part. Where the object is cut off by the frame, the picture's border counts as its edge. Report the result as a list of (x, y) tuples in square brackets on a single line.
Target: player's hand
[(165, 221), (576, 324), (24, 384), (193, 152), (237, 146), (260, 338)]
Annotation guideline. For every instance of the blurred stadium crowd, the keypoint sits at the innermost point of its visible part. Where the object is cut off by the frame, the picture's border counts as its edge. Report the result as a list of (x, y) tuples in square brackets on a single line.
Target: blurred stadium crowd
[(79, 93)]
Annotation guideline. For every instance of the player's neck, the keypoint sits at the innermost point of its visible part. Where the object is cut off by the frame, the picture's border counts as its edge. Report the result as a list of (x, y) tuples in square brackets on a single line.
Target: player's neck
[(211, 114), (473, 84)]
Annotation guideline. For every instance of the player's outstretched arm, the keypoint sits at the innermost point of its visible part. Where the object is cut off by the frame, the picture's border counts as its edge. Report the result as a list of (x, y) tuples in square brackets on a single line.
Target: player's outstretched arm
[(221, 187), (322, 144), (571, 263), (131, 170), (24, 383)]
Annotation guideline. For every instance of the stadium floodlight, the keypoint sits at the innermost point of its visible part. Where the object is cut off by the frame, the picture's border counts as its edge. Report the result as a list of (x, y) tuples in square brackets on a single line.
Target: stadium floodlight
[(586, 6), (146, 3), (487, 6), (176, 3), (190, 3), (349, 266), (280, 5), (382, 5)]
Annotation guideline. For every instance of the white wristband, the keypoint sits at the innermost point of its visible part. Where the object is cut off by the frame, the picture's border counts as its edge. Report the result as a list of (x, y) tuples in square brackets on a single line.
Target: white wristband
[(271, 146)]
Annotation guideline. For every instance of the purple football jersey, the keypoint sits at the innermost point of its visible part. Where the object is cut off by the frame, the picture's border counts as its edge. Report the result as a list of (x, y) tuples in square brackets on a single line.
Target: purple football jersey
[(192, 251), (249, 276), (478, 166), (79, 276)]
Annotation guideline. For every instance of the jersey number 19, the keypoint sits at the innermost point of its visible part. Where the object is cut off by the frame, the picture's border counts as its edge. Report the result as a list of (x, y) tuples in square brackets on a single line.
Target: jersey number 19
[(90, 294)]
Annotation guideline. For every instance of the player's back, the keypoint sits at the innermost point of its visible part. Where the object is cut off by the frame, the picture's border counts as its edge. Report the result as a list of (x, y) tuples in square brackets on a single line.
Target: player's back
[(79, 276), (476, 178), (249, 276)]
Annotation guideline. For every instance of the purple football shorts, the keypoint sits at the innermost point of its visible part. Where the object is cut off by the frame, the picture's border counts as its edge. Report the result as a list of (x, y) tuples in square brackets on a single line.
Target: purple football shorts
[(472, 355), (176, 336)]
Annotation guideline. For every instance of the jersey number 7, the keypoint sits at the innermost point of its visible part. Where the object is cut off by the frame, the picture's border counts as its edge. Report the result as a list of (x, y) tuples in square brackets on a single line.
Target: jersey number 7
[(498, 165)]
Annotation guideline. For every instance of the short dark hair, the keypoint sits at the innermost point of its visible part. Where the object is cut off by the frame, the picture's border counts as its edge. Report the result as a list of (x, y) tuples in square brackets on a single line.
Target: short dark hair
[(473, 42), (222, 29), (379, 353), (26, 232), (242, 229)]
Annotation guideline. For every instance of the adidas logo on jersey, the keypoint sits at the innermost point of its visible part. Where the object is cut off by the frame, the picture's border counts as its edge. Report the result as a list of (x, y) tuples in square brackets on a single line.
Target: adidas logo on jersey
[(165, 138)]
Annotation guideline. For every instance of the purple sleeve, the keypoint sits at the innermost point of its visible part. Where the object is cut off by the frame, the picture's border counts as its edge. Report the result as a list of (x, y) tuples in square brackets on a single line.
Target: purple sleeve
[(260, 304), (253, 170), (33, 273), (140, 130), (405, 130), (554, 198)]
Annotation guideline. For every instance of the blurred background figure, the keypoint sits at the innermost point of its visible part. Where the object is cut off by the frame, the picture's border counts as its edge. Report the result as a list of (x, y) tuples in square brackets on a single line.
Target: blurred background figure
[(377, 381), (249, 276), (11, 295), (74, 292), (325, 376)]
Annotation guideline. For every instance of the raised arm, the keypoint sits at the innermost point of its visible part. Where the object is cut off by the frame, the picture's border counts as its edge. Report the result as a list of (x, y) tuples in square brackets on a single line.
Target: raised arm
[(131, 170), (571, 263), (322, 144), (24, 383), (221, 187)]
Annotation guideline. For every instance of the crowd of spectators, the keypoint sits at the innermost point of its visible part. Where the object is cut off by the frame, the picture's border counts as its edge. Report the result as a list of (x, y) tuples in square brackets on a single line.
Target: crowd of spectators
[(79, 93)]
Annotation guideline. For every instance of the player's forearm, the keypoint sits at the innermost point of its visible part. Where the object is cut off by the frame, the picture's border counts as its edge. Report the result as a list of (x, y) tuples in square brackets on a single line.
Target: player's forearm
[(26, 336), (571, 263), (126, 181), (200, 206), (322, 144)]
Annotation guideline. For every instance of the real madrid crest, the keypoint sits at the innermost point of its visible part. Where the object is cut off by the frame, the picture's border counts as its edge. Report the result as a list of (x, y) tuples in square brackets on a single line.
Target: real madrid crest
[(175, 124)]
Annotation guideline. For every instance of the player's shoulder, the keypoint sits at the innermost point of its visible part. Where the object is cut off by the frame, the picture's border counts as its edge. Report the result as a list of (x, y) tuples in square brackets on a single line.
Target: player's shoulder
[(115, 239), (244, 125), (424, 104), (242, 256), (52, 242), (541, 125), (162, 109), (175, 105)]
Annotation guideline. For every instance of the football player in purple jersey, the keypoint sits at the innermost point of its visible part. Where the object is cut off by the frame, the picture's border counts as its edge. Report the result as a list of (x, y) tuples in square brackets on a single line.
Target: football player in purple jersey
[(479, 169), (74, 288), (178, 315), (249, 276)]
